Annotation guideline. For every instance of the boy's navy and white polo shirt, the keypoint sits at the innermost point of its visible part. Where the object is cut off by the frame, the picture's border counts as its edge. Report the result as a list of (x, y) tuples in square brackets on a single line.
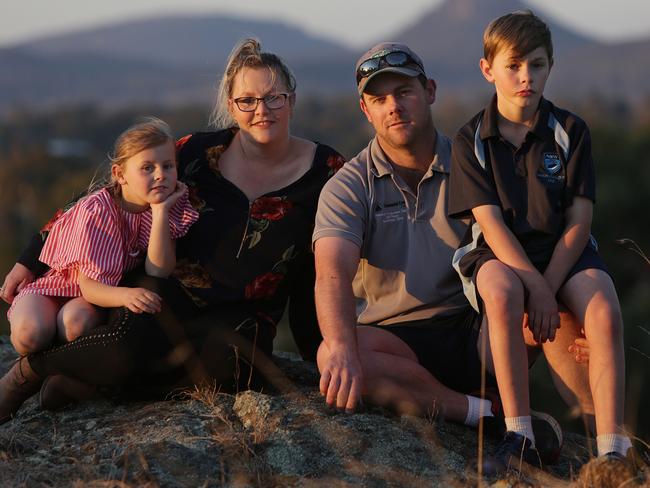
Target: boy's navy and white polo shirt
[(533, 184), (406, 240)]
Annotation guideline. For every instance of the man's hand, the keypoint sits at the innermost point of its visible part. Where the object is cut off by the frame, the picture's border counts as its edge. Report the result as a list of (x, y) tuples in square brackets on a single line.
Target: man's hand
[(580, 350), (543, 317), (16, 280), (342, 379), (140, 300)]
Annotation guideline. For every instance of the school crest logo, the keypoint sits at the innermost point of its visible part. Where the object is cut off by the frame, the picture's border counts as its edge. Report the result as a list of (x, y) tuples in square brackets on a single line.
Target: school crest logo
[(552, 163), (550, 172)]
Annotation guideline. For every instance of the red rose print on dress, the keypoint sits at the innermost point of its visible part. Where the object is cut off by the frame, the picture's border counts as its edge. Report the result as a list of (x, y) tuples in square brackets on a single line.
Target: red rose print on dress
[(263, 286), (263, 211), (270, 208), (335, 163)]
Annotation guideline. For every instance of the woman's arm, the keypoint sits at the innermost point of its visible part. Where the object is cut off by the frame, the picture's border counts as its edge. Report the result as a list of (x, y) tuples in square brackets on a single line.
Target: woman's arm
[(302, 308), (137, 300), (19, 276)]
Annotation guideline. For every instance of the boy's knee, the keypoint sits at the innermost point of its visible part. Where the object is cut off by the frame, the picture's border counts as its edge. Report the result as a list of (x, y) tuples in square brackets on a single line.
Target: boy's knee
[(506, 294)]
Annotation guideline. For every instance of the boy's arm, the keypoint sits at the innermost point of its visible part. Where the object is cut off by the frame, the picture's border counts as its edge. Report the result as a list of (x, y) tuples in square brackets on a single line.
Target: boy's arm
[(542, 309), (161, 250), (571, 243), (137, 300)]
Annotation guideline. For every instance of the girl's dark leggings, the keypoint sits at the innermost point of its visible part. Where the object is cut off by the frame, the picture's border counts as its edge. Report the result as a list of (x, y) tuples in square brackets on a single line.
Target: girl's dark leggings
[(144, 355)]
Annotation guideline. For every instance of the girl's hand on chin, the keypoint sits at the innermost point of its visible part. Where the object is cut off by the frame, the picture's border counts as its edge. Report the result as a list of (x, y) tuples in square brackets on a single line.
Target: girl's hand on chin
[(171, 200)]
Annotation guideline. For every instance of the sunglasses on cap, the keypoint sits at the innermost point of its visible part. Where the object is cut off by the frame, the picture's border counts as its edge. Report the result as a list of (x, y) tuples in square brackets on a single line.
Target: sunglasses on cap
[(395, 59)]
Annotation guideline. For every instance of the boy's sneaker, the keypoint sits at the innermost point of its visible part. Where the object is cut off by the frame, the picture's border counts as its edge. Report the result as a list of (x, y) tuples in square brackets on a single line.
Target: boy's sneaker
[(614, 469), (548, 434), (513, 451), (635, 462)]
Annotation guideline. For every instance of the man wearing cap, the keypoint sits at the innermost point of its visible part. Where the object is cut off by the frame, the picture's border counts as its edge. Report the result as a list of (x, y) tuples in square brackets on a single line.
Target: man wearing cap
[(396, 326)]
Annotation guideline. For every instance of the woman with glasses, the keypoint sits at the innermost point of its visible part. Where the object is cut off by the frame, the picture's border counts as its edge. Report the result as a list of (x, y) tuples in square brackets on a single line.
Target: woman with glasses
[(256, 187)]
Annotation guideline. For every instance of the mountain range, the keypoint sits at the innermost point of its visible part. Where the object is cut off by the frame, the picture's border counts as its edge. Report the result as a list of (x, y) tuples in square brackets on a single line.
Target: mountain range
[(176, 60)]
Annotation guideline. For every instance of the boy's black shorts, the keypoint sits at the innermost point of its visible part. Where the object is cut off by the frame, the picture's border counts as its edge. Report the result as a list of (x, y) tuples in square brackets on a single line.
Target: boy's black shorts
[(589, 259), (447, 348)]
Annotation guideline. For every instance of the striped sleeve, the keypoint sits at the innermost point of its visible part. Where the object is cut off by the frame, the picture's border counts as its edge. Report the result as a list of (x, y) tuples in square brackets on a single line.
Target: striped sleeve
[(88, 239), (181, 216)]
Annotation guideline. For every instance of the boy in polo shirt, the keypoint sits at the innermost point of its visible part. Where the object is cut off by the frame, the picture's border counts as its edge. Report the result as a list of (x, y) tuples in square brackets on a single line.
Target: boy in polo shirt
[(522, 171)]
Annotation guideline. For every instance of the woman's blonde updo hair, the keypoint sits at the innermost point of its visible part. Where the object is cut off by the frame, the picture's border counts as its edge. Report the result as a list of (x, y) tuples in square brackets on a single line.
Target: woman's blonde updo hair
[(152, 132), (247, 54)]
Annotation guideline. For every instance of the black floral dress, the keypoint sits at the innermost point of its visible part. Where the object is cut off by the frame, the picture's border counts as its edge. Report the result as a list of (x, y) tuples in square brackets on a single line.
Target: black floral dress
[(237, 268), (251, 256), (242, 261)]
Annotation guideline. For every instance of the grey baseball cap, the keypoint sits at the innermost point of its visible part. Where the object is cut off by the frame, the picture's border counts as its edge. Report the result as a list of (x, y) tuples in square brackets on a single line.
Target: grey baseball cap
[(375, 61)]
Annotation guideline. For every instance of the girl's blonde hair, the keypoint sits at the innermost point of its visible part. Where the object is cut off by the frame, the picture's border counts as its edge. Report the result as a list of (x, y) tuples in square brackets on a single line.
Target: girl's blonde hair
[(246, 54), (150, 133)]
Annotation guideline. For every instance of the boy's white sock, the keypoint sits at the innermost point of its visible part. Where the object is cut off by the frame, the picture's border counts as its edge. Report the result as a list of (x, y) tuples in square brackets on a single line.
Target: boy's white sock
[(477, 408), (521, 425), (613, 443)]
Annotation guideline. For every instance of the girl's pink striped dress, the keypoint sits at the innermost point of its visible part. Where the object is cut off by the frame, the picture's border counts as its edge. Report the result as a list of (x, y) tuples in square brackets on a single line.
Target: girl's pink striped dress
[(101, 240)]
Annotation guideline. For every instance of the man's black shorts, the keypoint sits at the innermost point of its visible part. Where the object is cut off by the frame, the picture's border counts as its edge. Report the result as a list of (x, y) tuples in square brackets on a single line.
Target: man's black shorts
[(447, 348)]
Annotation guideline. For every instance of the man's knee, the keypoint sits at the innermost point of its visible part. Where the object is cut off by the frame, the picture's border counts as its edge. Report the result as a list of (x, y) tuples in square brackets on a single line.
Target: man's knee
[(383, 341)]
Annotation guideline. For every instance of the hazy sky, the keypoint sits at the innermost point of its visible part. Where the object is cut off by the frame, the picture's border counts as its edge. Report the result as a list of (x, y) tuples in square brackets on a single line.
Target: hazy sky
[(349, 21)]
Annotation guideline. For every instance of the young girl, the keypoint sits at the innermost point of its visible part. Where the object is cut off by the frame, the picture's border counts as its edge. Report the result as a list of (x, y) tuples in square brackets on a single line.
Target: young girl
[(136, 216)]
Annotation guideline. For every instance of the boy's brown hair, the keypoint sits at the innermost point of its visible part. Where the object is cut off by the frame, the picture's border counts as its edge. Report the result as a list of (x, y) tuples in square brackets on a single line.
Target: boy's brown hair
[(522, 31)]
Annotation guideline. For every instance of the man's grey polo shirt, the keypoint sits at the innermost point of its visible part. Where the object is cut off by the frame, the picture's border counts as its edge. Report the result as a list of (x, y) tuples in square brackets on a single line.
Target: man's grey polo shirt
[(406, 240)]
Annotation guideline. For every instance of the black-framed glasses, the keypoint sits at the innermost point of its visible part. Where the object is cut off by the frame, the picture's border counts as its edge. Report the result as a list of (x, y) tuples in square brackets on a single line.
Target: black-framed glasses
[(273, 101), (396, 59)]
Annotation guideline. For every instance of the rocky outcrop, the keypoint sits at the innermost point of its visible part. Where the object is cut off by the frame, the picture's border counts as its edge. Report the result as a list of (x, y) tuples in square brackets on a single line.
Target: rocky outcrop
[(207, 438)]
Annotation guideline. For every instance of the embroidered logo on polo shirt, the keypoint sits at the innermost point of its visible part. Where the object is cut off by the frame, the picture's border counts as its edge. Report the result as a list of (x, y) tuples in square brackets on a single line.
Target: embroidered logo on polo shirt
[(552, 163), (390, 212), (550, 172)]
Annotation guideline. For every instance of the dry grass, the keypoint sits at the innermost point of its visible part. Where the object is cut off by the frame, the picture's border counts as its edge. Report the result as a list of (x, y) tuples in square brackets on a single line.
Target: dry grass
[(240, 463)]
